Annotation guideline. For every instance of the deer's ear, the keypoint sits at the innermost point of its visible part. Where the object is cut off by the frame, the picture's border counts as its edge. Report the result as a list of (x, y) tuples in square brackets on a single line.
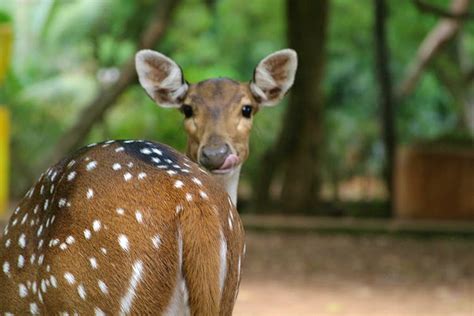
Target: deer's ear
[(274, 76), (161, 78)]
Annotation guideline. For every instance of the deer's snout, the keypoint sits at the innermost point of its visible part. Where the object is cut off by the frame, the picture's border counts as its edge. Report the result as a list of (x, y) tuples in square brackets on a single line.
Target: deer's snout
[(213, 155)]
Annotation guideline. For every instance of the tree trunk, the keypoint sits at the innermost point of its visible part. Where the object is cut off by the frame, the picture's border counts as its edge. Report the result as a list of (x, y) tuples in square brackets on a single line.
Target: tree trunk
[(296, 151), (385, 93)]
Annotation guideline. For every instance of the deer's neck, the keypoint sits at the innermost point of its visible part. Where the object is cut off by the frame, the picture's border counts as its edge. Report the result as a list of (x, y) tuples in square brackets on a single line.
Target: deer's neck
[(230, 182)]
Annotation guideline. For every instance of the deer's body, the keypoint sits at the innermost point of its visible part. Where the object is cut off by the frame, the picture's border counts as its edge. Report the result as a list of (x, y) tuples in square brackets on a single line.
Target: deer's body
[(133, 227), (84, 241)]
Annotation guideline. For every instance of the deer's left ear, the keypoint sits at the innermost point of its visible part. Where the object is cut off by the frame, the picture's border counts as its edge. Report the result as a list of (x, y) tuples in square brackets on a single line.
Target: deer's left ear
[(161, 78), (274, 76)]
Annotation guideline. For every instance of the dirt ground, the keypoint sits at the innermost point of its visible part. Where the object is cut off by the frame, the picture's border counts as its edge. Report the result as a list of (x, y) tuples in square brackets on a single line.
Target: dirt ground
[(311, 274)]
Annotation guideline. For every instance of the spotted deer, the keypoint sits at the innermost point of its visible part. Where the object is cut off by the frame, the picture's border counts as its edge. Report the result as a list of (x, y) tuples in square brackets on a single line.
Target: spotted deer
[(132, 226)]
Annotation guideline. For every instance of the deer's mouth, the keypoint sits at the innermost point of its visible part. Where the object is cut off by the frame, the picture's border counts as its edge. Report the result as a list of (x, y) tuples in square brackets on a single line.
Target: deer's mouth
[(229, 164)]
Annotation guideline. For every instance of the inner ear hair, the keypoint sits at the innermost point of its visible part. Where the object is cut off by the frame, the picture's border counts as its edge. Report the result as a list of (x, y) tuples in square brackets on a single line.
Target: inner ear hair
[(274, 76), (161, 78)]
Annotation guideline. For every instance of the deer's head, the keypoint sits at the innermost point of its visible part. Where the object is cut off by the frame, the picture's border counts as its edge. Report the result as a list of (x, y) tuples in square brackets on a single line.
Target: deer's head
[(218, 112)]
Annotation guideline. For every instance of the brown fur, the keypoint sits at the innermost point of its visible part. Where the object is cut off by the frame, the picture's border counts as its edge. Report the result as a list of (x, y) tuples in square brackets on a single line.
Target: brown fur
[(157, 198)]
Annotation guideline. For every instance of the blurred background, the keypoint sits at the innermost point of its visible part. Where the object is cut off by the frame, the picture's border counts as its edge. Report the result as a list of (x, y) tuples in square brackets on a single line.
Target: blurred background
[(358, 196)]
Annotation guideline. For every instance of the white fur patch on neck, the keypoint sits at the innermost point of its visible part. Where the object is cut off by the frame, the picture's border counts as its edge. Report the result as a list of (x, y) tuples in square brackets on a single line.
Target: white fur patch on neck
[(231, 183)]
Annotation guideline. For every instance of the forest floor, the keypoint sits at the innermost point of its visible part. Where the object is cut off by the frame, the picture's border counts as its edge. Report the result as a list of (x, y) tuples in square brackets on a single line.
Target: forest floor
[(344, 267), (341, 274)]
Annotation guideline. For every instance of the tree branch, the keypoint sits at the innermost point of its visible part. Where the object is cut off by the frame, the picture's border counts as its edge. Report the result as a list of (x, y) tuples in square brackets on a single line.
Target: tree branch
[(434, 42), (93, 112), (432, 9)]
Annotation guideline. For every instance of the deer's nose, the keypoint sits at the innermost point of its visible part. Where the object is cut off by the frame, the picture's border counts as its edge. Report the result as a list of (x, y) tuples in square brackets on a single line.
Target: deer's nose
[(213, 156)]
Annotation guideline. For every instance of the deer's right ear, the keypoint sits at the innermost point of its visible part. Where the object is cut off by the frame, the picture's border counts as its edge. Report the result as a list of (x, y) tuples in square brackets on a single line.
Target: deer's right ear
[(161, 78)]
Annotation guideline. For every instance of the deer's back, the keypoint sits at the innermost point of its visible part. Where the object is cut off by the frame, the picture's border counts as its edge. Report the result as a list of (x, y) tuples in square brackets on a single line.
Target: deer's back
[(123, 226)]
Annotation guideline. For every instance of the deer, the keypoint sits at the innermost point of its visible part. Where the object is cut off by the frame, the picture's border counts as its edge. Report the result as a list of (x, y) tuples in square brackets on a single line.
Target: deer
[(133, 227)]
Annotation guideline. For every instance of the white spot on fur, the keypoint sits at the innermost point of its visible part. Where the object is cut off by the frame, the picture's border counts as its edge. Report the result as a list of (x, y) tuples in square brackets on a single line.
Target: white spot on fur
[(123, 242), (70, 240), (22, 290), (53, 281), (103, 287), (197, 181), (81, 291), (139, 216), (22, 241), (69, 278), (90, 193), (91, 165), (21, 261), (96, 225), (71, 175), (127, 176), (34, 310), (127, 300), (156, 240), (6, 268), (62, 202), (93, 262), (203, 195)]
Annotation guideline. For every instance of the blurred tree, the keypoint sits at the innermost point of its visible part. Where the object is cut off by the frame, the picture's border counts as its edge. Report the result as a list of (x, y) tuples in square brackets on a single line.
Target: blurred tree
[(382, 58), (66, 52), (295, 154), (107, 97), (445, 39)]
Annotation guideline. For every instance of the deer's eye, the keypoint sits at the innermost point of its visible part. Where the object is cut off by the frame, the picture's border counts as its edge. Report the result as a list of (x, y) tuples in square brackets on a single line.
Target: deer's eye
[(187, 110), (247, 111)]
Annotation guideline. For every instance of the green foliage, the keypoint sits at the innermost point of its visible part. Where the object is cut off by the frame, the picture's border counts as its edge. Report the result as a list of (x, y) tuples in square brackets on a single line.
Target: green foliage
[(62, 49), (4, 17)]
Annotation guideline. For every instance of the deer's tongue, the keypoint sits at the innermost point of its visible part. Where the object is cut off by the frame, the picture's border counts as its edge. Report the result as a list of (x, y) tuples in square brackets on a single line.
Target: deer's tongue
[(230, 162)]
